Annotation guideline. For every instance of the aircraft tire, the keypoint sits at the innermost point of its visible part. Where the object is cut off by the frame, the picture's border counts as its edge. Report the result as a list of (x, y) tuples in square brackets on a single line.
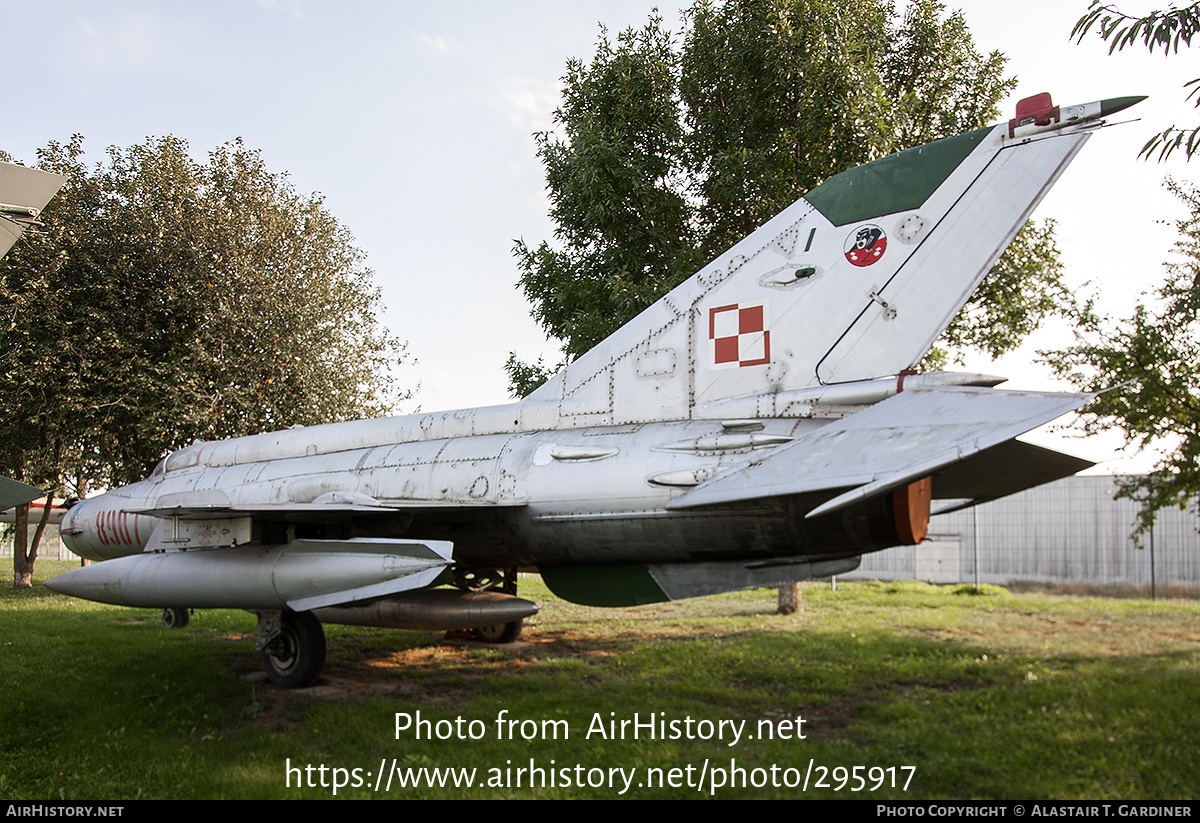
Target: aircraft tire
[(499, 633), (295, 658), (175, 618)]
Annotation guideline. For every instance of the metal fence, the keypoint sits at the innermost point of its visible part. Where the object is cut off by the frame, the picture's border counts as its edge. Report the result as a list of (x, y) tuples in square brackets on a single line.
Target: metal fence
[(1070, 531), (51, 548)]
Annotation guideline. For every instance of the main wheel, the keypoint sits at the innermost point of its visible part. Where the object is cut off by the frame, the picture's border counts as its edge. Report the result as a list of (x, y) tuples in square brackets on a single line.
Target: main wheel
[(175, 618), (295, 658), (500, 632)]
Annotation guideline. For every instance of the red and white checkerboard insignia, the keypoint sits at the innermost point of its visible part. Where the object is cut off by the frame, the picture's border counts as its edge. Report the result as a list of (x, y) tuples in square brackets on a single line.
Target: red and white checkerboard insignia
[(865, 245), (740, 335)]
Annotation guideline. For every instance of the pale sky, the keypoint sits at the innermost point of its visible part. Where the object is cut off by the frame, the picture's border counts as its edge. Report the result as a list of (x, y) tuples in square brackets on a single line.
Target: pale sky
[(415, 121)]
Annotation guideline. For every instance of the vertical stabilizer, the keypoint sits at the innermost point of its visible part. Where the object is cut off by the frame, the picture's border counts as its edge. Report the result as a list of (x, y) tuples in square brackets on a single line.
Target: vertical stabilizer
[(853, 281)]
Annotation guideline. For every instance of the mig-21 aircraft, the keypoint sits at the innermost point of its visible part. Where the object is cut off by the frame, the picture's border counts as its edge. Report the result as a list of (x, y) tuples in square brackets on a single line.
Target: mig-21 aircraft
[(757, 426)]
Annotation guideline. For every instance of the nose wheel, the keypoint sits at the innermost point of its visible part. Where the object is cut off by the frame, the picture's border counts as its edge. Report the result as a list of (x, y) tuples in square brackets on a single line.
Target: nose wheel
[(294, 657)]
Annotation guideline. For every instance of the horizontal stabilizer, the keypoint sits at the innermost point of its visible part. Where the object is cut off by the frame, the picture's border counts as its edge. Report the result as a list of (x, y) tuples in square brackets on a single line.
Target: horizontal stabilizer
[(1000, 471), (902, 439)]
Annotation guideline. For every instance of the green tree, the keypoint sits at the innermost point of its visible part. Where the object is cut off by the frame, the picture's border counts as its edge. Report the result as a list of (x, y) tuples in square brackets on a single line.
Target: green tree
[(1149, 370), (1148, 364), (624, 221), (166, 300), (1158, 29), (669, 150)]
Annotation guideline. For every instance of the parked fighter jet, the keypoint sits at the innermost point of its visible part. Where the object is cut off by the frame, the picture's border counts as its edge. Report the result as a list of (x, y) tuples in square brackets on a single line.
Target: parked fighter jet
[(756, 426)]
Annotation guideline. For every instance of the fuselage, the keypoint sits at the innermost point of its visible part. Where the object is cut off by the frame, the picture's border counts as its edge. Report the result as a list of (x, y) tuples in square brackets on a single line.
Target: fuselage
[(559, 497)]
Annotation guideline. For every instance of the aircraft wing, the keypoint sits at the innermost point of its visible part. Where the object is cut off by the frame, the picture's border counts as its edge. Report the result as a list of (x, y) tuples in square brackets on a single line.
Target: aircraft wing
[(23, 194), (15, 493), (902, 439)]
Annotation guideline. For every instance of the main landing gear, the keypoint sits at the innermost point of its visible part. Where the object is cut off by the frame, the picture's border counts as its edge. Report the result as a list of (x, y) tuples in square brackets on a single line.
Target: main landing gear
[(293, 647), (496, 580), (293, 643), (175, 618)]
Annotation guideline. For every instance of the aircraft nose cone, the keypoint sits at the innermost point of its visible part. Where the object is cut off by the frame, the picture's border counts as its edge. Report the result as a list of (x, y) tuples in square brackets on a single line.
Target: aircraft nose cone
[(1115, 104)]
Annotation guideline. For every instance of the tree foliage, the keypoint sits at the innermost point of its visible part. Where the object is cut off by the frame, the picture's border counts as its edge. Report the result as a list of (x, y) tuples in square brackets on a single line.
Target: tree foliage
[(166, 300), (1149, 369), (668, 150), (1167, 30), (624, 222)]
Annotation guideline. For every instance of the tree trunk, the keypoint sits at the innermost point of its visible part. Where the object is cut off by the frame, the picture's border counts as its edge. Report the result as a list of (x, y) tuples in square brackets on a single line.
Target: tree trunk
[(791, 599), (36, 543), (22, 569), (25, 552)]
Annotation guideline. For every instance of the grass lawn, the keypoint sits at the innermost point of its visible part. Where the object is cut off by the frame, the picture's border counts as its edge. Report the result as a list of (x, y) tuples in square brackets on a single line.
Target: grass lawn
[(905, 690)]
